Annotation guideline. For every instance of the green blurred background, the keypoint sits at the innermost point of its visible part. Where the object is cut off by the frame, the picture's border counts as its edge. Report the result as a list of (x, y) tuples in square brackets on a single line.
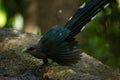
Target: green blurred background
[(100, 38)]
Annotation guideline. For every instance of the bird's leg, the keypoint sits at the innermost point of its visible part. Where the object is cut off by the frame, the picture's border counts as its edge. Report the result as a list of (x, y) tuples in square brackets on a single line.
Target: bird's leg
[(40, 68), (45, 61)]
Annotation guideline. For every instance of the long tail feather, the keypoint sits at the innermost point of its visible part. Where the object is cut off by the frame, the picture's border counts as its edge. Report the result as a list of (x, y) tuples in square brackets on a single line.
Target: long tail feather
[(84, 15)]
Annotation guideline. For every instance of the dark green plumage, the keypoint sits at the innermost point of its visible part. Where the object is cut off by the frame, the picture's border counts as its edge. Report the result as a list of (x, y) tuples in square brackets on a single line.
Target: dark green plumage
[(84, 15), (56, 46), (59, 44)]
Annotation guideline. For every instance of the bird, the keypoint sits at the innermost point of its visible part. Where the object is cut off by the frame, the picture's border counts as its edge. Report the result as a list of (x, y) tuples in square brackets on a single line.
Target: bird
[(59, 44)]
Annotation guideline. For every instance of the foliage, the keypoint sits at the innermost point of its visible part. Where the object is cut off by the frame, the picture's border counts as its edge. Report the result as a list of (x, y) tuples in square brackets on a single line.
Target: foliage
[(102, 36)]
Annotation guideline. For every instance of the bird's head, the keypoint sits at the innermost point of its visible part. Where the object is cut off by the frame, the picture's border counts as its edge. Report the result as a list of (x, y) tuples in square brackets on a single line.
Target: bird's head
[(35, 51), (30, 49)]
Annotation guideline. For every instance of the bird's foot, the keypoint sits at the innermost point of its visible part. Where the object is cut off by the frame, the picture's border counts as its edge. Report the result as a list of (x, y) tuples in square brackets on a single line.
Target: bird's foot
[(40, 69)]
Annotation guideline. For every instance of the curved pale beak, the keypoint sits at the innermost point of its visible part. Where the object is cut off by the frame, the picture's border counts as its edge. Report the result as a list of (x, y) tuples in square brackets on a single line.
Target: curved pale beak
[(24, 50)]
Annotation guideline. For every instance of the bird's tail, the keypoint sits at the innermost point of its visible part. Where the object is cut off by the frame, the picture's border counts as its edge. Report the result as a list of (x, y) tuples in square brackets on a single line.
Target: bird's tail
[(84, 15)]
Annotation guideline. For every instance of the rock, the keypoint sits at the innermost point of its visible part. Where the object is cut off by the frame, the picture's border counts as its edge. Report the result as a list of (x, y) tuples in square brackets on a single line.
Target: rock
[(14, 65)]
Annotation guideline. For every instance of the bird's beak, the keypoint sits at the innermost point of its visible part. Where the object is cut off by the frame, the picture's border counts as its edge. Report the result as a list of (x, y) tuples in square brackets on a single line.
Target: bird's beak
[(28, 49), (24, 50)]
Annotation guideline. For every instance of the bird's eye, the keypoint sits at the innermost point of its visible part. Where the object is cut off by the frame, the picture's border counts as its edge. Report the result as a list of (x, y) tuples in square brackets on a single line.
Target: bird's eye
[(31, 48)]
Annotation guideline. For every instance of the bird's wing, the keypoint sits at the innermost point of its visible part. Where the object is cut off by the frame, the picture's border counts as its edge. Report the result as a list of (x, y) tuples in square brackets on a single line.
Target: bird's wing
[(56, 47), (67, 53)]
